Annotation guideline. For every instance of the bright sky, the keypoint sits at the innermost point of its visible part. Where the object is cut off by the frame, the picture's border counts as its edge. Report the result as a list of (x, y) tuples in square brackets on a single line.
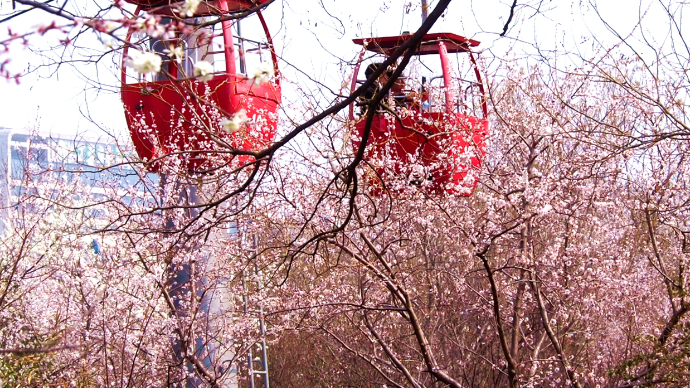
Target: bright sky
[(312, 35)]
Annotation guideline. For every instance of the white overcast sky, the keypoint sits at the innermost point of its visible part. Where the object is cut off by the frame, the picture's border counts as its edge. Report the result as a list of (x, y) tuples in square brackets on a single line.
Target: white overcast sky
[(311, 40)]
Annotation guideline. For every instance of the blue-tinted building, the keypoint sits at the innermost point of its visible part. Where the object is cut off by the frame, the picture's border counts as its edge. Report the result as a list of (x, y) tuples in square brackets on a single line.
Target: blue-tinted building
[(93, 165)]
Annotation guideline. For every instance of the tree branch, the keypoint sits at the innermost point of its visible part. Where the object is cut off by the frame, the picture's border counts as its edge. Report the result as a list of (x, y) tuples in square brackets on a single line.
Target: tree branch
[(510, 18)]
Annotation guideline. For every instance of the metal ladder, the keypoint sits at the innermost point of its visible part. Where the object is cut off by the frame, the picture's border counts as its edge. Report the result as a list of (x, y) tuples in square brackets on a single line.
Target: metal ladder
[(257, 361)]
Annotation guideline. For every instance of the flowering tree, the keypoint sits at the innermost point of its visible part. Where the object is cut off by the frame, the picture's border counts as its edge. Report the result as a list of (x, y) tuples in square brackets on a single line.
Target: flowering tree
[(566, 267)]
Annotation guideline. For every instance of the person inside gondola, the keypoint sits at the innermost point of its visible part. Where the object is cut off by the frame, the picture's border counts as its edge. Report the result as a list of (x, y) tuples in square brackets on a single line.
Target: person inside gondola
[(369, 93), (401, 96), (424, 95)]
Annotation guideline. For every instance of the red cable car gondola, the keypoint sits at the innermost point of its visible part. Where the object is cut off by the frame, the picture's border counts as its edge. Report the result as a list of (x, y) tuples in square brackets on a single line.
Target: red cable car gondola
[(199, 120), (427, 135)]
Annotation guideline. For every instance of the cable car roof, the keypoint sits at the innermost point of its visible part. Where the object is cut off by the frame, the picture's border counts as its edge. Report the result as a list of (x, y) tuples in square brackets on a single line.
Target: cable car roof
[(428, 45)]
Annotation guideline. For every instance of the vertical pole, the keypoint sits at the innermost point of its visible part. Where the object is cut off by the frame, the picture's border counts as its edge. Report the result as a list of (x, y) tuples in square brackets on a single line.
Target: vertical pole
[(185, 286), (447, 80), (485, 107), (243, 64), (227, 40), (425, 10), (158, 45), (274, 56), (125, 49), (182, 278)]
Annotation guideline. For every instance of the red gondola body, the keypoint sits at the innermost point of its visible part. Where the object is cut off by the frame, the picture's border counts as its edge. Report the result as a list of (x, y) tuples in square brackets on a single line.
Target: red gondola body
[(441, 150), (205, 7), (181, 117)]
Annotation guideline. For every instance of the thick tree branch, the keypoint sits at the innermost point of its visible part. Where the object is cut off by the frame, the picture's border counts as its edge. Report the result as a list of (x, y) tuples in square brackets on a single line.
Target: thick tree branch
[(510, 18)]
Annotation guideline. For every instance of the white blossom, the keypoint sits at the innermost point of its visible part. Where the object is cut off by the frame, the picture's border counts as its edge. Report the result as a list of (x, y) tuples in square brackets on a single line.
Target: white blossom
[(110, 26), (144, 62), (189, 7), (547, 208), (263, 73), (176, 53), (109, 43), (154, 28), (203, 70), (233, 125)]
